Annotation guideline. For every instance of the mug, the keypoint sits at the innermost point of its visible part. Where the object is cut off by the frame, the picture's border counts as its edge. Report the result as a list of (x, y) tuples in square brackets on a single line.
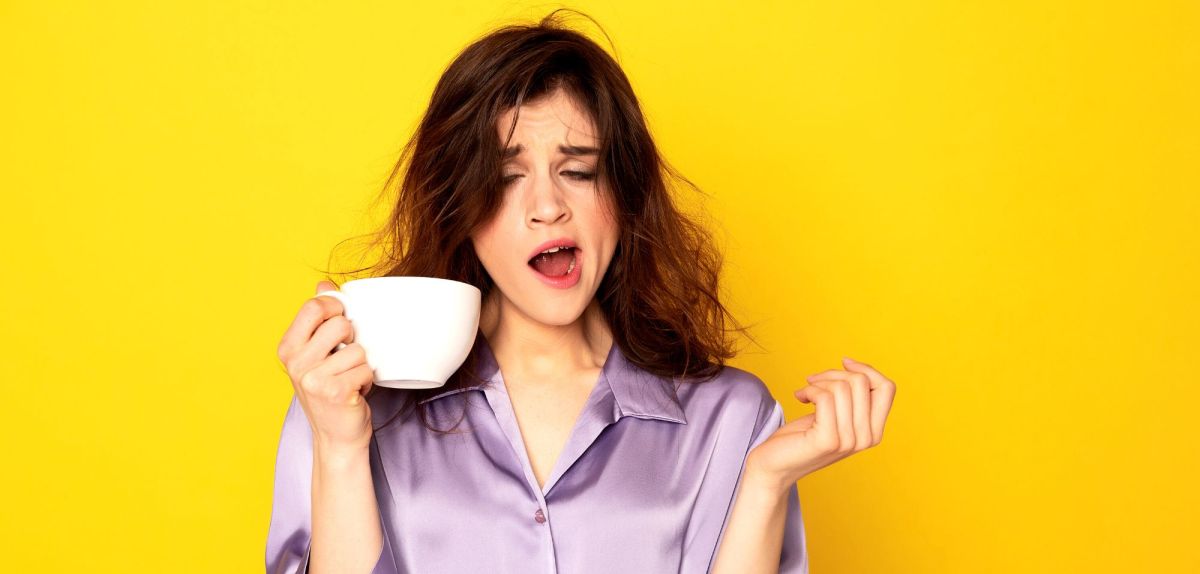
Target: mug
[(416, 331)]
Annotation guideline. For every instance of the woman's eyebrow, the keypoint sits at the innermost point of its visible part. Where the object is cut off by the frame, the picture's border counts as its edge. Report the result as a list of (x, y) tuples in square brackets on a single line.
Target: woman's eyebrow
[(514, 151)]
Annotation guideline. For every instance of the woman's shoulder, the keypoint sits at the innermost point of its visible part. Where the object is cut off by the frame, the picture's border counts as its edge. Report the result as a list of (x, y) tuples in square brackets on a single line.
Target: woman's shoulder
[(733, 392)]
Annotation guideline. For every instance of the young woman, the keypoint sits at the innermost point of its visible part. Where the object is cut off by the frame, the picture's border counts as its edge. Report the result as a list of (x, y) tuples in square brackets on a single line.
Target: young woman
[(595, 426)]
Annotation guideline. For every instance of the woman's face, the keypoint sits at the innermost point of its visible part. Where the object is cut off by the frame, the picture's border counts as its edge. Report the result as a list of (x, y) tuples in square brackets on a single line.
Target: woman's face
[(550, 184)]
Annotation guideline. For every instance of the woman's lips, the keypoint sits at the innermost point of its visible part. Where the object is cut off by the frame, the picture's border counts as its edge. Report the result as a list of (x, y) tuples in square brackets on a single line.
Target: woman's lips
[(560, 242), (564, 281)]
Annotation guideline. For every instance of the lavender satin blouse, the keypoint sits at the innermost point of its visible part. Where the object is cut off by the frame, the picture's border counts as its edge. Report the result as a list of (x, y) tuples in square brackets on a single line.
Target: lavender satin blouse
[(644, 484)]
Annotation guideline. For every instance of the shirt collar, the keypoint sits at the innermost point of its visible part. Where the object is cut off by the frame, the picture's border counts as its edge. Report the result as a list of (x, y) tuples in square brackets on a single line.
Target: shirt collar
[(636, 392)]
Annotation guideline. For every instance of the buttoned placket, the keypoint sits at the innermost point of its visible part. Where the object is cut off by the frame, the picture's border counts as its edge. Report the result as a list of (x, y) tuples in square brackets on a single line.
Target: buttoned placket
[(587, 427)]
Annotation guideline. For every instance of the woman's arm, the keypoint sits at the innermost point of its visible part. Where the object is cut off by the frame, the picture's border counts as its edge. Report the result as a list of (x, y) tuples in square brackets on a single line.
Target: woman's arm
[(346, 533), (753, 540), (297, 469), (851, 408)]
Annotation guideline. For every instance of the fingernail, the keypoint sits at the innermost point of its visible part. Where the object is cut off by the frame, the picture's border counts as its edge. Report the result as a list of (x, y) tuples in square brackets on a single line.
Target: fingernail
[(849, 360)]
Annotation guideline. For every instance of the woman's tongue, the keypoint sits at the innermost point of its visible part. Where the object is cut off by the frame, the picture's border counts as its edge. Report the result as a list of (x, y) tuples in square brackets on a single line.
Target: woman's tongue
[(553, 264)]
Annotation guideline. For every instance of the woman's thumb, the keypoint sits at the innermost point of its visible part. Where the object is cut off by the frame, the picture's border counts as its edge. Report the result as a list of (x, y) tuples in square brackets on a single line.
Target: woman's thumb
[(326, 285)]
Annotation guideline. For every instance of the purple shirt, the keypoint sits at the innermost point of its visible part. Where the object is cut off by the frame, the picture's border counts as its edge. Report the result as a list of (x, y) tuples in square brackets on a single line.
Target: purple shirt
[(644, 484)]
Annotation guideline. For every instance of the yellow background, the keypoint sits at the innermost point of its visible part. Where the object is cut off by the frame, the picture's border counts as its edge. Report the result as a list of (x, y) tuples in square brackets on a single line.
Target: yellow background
[(995, 204)]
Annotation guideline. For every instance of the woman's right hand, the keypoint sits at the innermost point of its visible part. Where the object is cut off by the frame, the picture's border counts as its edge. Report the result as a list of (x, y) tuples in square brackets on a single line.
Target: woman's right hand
[(331, 385)]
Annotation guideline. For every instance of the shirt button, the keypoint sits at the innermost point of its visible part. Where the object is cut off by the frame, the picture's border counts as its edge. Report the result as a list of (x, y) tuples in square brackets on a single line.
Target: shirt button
[(539, 516)]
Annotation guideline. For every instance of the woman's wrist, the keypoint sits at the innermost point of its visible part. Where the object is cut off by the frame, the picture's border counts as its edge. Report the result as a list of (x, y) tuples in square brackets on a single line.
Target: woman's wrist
[(338, 455), (767, 482), (753, 537)]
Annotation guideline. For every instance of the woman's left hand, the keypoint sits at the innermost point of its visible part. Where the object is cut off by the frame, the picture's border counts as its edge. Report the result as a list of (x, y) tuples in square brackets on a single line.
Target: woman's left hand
[(851, 408)]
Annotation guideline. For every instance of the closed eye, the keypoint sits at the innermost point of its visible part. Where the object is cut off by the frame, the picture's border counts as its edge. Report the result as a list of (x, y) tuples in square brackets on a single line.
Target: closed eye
[(576, 175)]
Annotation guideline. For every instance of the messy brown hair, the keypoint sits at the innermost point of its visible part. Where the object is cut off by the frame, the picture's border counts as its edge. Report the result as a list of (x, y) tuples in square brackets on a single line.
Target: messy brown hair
[(660, 292)]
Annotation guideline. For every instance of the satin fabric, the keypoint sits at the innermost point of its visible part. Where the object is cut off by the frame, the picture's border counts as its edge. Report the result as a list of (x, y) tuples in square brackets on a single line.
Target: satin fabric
[(644, 484)]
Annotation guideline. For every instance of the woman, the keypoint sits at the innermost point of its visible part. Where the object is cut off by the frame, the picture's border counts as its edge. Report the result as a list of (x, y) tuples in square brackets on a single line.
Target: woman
[(595, 426)]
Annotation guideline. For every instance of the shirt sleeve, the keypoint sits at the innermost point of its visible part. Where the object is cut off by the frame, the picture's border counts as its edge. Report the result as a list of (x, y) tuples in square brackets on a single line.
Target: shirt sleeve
[(289, 538), (794, 555)]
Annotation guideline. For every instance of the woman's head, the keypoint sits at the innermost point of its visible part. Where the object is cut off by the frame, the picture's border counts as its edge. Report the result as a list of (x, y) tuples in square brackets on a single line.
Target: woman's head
[(550, 195), (470, 210)]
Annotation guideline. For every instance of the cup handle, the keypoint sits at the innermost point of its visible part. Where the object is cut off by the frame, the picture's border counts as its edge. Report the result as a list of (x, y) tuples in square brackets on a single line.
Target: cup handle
[(340, 297)]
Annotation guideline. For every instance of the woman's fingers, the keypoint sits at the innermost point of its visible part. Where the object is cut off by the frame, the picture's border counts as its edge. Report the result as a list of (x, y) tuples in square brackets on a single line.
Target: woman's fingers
[(313, 313), (824, 417), (361, 377), (883, 393), (860, 389), (349, 357), (858, 386), (345, 374), (825, 373), (851, 406), (310, 316), (336, 329), (844, 407), (874, 375)]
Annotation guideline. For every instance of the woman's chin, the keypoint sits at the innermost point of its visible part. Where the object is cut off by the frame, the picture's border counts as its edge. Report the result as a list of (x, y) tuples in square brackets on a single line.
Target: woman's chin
[(559, 315), (547, 306)]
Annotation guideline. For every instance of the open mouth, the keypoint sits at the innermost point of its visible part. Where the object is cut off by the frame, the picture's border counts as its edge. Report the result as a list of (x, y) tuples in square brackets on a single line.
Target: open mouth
[(558, 262)]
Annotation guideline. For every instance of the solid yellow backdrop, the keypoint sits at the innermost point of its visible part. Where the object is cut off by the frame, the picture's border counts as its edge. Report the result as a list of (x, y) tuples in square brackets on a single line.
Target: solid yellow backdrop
[(995, 205)]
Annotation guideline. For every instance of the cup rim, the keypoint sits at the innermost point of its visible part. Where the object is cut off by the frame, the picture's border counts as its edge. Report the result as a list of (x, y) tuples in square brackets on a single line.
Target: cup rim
[(391, 278)]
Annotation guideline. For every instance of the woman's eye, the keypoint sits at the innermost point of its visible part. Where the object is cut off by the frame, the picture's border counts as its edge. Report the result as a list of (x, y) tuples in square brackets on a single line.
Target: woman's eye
[(576, 175)]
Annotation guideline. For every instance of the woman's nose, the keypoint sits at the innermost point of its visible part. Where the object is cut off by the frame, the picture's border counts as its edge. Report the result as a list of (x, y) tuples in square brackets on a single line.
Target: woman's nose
[(548, 205)]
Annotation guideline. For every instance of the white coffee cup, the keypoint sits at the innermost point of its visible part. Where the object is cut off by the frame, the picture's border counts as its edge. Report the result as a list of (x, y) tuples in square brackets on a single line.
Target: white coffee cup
[(416, 331)]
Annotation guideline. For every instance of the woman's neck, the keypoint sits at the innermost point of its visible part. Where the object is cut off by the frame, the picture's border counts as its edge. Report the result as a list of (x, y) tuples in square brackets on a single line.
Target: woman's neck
[(532, 352)]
